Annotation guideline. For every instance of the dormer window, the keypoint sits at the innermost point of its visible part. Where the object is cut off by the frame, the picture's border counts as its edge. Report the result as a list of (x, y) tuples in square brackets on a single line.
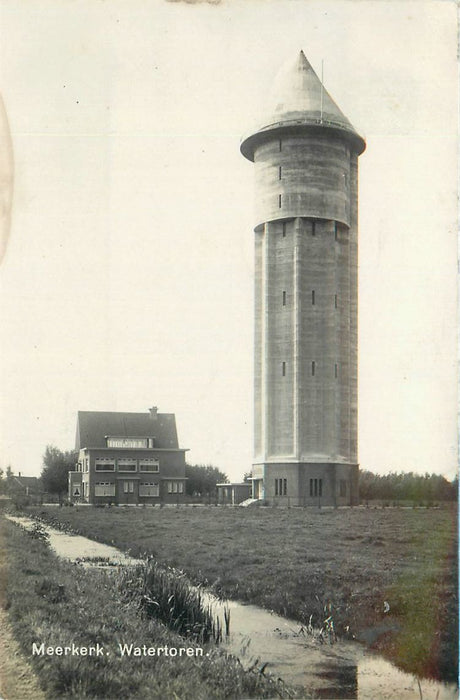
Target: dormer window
[(129, 442)]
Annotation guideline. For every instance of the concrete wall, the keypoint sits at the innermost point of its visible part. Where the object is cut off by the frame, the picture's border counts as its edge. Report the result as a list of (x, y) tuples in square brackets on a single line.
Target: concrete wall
[(332, 484), (306, 266), (314, 180)]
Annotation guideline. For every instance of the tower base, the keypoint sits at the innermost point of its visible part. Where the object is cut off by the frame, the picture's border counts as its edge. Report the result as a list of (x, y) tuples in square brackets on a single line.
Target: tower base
[(306, 483)]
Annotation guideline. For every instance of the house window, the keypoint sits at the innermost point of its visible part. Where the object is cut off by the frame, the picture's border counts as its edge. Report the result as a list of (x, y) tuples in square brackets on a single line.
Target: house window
[(104, 465), (150, 442), (284, 298), (313, 368), (180, 487), (127, 465), (86, 464), (173, 487), (149, 465), (283, 370), (148, 489), (104, 488), (313, 297), (128, 487), (279, 201)]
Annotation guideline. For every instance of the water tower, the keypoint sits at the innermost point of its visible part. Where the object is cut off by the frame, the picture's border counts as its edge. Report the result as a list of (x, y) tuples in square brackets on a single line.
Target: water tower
[(305, 155)]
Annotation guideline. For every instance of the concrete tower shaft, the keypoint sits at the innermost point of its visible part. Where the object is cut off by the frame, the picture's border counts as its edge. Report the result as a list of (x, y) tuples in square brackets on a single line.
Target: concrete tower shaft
[(305, 378)]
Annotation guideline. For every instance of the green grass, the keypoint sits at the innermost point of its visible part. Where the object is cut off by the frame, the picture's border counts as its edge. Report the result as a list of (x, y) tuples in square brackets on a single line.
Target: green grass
[(58, 603), (297, 561)]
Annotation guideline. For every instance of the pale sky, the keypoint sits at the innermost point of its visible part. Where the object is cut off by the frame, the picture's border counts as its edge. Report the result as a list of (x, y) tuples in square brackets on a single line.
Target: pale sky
[(128, 279)]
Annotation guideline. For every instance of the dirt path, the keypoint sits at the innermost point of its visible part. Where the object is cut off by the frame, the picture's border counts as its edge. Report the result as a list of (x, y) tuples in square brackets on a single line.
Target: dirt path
[(17, 680)]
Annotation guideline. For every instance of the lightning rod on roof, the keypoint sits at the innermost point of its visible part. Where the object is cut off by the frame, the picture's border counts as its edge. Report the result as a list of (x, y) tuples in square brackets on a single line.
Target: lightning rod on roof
[(322, 76)]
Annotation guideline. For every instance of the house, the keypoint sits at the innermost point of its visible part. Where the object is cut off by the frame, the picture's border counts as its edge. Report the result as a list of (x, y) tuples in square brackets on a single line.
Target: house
[(25, 485), (127, 458)]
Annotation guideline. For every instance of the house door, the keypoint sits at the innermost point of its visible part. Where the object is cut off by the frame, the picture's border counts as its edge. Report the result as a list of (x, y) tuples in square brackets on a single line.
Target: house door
[(127, 491)]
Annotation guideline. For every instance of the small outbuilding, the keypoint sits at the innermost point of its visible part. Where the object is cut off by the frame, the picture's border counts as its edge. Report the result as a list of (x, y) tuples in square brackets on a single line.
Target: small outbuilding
[(233, 494)]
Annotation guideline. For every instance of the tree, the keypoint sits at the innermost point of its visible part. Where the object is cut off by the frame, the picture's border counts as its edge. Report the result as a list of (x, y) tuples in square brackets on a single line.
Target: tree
[(247, 477), (407, 486), (202, 479), (56, 466)]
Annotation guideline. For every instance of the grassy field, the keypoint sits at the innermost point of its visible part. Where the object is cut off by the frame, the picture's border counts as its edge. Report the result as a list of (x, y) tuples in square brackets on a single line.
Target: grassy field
[(57, 603), (296, 561)]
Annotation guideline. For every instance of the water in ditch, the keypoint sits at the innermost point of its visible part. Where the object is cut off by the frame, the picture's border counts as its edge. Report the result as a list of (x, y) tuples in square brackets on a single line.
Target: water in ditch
[(279, 646)]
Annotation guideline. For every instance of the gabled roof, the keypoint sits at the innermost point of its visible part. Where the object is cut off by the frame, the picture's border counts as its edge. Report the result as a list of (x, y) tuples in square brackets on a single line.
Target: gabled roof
[(94, 426), (300, 100), (32, 484)]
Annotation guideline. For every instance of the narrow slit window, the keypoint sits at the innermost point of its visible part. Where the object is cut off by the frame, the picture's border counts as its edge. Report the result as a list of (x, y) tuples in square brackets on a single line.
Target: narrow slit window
[(311, 487), (279, 201), (280, 145), (284, 369), (320, 487), (335, 300), (336, 370), (276, 487), (284, 298), (284, 487), (336, 230), (280, 173), (313, 228), (313, 368), (284, 229), (313, 297)]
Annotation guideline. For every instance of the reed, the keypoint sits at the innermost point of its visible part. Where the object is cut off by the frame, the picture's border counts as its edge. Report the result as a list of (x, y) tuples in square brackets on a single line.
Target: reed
[(166, 595)]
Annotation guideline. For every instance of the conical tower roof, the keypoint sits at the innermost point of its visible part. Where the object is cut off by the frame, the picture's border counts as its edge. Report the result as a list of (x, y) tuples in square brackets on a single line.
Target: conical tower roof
[(300, 100)]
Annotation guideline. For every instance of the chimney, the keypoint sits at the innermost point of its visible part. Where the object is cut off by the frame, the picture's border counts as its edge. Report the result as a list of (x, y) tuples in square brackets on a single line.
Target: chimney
[(153, 412), (19, 473)]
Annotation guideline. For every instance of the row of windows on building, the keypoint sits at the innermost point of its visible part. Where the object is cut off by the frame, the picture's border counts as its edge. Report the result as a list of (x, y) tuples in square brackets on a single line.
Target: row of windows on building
[(130, 442), (313, 369), (107, 488), (316, 487), (122, 464), (313, 298), (313, 223)]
